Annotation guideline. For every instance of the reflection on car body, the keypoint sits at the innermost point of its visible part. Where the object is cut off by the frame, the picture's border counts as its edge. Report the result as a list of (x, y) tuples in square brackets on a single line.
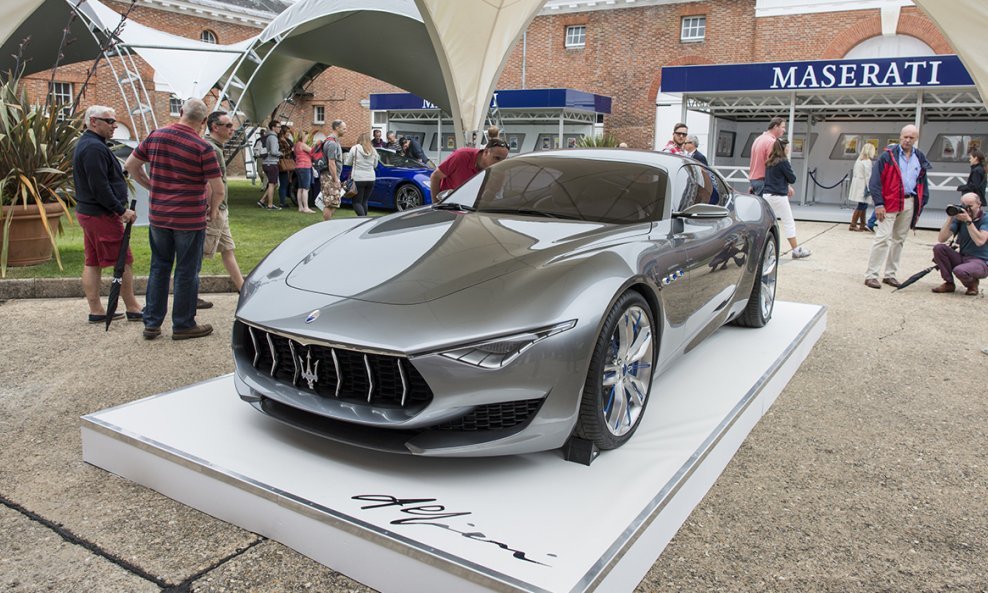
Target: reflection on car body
[(401, 183), (535, 304)]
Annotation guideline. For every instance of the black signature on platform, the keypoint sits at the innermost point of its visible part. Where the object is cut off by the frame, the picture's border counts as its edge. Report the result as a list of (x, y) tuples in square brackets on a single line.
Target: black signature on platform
[(433, 515)]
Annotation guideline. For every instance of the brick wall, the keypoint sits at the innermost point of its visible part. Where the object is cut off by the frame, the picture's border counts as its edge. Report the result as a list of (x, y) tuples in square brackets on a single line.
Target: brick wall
[(624, 53)]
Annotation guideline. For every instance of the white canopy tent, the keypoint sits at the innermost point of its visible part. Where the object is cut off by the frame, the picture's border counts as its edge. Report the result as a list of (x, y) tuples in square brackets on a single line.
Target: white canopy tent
[(448, 53), (964, 23)]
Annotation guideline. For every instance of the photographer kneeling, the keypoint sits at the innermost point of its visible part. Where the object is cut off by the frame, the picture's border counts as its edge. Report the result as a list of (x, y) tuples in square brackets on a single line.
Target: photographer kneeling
[(970, 225)]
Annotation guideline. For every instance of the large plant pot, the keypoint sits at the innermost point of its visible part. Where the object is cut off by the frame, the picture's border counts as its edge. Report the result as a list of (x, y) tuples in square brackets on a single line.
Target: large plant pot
[(29, 243)]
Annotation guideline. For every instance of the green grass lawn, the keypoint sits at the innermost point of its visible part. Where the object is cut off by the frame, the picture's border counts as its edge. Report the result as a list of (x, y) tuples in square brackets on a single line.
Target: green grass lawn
[(255, 231)]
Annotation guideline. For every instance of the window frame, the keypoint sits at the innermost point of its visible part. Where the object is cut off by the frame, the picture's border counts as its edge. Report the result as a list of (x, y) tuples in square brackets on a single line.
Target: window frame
[(570, 42), (693, 28), (174, 106), (212, 38), (316, 117)]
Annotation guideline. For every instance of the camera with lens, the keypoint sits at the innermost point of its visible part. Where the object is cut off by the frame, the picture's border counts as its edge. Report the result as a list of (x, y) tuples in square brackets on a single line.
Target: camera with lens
[(954, 209)]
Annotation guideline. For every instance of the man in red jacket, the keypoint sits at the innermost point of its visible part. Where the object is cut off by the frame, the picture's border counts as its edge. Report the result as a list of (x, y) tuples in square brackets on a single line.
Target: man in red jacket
[(898, 188)]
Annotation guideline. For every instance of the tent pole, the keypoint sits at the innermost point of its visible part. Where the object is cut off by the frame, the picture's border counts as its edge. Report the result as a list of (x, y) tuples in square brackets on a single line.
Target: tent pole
[(711, 140), (561, 130), (919, 109)]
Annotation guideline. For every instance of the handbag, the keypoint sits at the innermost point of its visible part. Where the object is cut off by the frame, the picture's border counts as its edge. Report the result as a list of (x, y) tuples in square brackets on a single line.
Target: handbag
[(349, 188), (285, 165)]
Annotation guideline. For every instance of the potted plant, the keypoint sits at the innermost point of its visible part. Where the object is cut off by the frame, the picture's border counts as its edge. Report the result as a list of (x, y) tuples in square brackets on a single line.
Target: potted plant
[(36, 148)]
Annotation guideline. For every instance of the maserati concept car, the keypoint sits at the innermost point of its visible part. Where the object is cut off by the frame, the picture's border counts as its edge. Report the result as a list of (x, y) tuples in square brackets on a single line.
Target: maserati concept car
[(533, 304)]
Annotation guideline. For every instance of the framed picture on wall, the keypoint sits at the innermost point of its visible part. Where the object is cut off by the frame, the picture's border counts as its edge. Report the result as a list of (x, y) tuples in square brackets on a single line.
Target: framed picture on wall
[(851, 142), (547, 142), (890, 140), (948, 149), (798, 145), (572, 140), (874, 142), (973, 144), (515, 142), (725, 143)]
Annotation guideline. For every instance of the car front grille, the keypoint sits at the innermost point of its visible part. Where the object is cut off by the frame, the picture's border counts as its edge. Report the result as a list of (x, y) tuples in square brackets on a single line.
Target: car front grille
[(495, 416), (338, 373)]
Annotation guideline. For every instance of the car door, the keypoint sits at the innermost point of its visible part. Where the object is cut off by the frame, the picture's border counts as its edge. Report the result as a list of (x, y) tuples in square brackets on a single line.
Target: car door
[(716, 248), (384, 186)]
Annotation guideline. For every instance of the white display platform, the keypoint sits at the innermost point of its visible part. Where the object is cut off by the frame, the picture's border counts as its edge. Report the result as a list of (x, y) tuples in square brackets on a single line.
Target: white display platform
[(530, 523)]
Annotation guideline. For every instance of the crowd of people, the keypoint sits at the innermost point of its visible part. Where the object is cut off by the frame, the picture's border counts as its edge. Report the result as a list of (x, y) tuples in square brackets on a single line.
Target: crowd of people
[(188, 208)]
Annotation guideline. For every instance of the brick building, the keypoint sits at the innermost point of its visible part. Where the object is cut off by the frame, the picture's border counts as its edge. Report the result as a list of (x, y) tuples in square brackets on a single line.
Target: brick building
[(615, 49)]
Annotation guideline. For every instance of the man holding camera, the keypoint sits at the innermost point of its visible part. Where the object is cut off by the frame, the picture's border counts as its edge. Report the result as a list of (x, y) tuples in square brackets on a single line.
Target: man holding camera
[(969, 223)]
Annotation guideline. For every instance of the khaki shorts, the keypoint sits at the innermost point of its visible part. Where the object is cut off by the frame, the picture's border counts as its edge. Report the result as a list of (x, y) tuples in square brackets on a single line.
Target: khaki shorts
[(330, 189), (218, 237)]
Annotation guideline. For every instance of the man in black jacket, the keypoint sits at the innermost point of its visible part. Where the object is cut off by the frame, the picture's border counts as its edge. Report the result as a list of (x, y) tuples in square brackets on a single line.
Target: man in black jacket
[(101, 209)]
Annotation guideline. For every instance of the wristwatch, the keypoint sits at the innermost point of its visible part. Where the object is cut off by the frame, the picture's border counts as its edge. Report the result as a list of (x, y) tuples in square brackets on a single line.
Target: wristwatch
[(969, 221)]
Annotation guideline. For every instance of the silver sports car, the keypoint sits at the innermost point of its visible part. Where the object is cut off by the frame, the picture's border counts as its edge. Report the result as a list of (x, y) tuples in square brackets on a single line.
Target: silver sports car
[(533, 304)]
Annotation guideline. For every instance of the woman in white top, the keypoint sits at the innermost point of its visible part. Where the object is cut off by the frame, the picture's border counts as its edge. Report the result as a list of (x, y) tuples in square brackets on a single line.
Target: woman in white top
[(859, 187), (363, 159)]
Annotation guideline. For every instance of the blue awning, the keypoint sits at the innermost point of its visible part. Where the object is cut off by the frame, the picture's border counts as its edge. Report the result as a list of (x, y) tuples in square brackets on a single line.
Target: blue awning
[(509, 99)]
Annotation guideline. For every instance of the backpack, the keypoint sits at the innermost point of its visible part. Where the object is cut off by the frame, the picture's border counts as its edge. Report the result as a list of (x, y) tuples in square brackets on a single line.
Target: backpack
[(260, 149), (319, 158)]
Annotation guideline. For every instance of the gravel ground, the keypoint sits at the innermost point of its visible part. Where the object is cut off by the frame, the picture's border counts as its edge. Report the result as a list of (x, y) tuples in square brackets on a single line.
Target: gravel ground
[(868, 474)]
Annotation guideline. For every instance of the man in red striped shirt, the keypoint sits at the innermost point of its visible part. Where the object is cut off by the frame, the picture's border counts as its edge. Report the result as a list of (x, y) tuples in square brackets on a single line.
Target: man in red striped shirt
[(181, 165)]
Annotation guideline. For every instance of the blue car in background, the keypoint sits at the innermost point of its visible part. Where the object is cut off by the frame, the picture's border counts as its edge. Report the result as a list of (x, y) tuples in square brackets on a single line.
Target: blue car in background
[(402, 183)]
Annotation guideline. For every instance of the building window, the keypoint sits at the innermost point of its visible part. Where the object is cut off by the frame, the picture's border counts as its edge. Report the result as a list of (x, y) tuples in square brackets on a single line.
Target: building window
[(60, 93), (694, 28), (208, 36), (318, 114), (576, 36), (174, 106)]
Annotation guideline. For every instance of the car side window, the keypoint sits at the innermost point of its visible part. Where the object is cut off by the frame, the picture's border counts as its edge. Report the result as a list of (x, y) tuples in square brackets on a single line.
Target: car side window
[(385, 157), (721, 192), (695, 186)]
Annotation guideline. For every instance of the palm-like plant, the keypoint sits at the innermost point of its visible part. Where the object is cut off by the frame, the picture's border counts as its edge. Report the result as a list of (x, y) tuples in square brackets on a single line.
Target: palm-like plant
[(604, 141), (36, 147)]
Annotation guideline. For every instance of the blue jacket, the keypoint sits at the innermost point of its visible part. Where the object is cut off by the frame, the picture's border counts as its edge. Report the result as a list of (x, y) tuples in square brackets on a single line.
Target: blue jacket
[(100, 185)]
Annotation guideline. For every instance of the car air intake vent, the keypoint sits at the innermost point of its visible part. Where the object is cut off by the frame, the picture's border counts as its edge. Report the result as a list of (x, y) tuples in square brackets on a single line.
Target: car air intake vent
[(349, 375), (495, 416)]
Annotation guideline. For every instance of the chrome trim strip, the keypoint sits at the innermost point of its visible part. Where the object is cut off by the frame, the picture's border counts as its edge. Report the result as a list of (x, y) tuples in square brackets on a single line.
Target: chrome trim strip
[(291, 346), (404, 382), (609, 559), (455, 565), (370, 379), (274, 354), (339, 377), (257, 351), (310, 341)]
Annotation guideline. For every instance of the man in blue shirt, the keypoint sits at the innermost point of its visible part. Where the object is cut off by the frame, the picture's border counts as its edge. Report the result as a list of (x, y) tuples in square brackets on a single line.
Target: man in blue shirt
[(971, 264)]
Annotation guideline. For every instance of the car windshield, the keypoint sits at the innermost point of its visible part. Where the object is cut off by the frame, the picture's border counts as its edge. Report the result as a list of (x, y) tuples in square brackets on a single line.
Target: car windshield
[(595, 190), (390, 158)]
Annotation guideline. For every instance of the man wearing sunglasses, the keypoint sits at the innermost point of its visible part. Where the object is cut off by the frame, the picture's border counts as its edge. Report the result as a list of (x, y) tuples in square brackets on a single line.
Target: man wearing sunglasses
[(464, 163), (101, 209), (679, 133), (219, 130)]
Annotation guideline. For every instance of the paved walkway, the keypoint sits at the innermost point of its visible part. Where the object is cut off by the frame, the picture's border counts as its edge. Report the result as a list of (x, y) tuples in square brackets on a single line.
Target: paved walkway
[(867, 475)]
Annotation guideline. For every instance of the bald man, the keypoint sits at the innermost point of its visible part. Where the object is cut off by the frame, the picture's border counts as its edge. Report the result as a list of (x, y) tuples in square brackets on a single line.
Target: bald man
[(898, 187)]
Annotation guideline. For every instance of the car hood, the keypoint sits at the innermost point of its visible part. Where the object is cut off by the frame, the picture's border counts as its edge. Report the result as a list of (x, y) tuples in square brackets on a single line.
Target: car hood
[(425, 254)]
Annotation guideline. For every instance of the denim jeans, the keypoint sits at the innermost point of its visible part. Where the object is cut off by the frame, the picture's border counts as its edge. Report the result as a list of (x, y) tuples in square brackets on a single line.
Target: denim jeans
[(183, 249), (284, 180)]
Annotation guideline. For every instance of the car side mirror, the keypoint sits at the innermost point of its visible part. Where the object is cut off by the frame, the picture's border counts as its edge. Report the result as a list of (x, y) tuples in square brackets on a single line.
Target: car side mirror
[(438, 199), (702, 212)]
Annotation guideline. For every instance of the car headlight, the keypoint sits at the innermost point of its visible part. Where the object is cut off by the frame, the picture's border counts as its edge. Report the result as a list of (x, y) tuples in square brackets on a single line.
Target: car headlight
[(496, 353)]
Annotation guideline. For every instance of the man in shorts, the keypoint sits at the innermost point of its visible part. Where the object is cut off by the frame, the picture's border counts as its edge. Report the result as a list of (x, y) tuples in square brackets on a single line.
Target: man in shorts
[(219, 128), (101, 209), (329, 179)]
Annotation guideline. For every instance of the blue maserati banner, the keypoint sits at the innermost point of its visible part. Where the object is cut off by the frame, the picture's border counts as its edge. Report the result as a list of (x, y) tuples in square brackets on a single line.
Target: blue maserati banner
[(927, 71), (512, 99)]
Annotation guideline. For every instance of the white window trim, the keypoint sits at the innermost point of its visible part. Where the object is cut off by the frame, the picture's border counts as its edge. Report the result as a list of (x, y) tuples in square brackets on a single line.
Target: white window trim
[(208, 32), (683, 28), (316, 119), (575, 45), (172, 101)]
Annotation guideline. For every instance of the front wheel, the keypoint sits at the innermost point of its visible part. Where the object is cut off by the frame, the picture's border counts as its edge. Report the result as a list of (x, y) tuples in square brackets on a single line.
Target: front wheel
[(408, 196), (762, 300), (620, 376)]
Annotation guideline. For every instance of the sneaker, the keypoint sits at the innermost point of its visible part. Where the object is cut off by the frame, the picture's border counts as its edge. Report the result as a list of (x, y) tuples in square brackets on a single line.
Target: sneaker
[(151, 333), (201, 304), (261, 204), (801, 252), (273, 207), (198, 331)]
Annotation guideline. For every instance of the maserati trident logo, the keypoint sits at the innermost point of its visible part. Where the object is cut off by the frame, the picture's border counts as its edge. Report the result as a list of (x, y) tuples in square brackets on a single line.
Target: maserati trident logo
[(312, 316), (310, 372)]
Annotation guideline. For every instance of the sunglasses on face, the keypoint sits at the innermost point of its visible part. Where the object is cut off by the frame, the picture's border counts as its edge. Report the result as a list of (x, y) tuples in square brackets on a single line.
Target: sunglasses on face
[(108, 120), (679, 133)]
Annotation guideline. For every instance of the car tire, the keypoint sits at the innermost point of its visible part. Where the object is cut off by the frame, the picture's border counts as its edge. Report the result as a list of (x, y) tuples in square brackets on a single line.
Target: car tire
[(620, 376), (407, 196), (758, 312)]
